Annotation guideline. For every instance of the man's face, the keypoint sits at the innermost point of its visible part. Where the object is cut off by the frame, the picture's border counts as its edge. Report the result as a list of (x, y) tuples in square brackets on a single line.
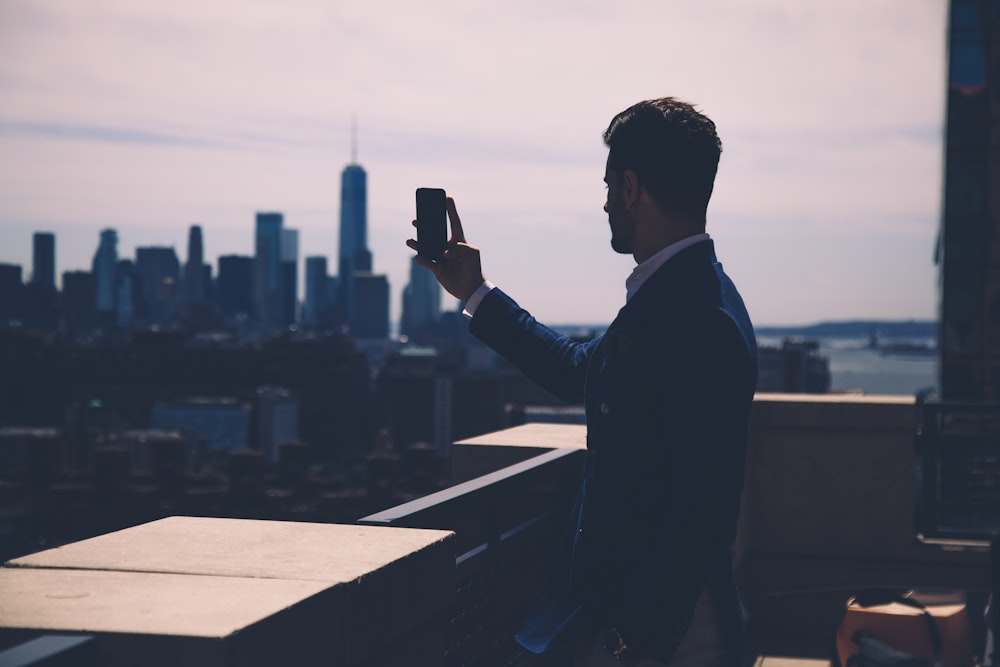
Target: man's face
[(622, 227)]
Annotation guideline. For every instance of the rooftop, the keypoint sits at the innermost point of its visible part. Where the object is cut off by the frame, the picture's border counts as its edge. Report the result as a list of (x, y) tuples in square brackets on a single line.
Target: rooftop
[(830, 508)]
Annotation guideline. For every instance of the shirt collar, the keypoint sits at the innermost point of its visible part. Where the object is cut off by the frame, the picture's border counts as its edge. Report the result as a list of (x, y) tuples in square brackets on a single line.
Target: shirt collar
[(642, 272)]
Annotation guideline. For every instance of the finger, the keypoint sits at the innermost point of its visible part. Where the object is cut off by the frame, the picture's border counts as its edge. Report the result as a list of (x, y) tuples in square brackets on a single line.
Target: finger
[(414, 222), (457, 233), (426, 263), (411, 243)]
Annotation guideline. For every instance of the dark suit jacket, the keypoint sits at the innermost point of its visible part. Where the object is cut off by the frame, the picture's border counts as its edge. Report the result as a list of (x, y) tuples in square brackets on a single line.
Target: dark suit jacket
[(667, 391)]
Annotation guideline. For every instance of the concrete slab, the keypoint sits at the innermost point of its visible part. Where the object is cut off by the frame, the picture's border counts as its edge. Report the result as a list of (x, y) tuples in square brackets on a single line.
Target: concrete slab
[(545, 436), (377, 583), (490, 452), (169, 619), (331, 553)]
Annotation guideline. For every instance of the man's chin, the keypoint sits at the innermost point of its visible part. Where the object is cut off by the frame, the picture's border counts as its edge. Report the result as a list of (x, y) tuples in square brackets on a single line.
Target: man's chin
[(620, 246)]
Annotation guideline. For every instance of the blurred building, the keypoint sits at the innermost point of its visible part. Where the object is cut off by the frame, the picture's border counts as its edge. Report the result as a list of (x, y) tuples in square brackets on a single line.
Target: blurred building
[(216, 424), (796, 367), (421, 305), (43, 252), (267, 268), (288, 300), (354, 256), (968, 254), (157, 275), (77, 303), (277, 420), (105, 270), (317, 303), (371, 309), (11, 295), (234, 286)]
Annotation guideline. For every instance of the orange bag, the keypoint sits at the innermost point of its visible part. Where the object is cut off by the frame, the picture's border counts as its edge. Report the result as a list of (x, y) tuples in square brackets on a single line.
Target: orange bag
[(936, 634)]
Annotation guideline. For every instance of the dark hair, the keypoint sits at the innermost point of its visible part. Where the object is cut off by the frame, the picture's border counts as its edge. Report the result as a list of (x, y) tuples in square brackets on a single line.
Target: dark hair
[(673, 150)]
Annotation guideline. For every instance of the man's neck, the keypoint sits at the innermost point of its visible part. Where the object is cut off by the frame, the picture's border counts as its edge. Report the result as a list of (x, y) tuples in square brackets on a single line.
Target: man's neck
[(667, 235)]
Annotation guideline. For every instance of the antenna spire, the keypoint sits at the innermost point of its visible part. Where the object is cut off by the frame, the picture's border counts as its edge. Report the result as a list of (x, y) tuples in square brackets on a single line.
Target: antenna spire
[(354, 140)]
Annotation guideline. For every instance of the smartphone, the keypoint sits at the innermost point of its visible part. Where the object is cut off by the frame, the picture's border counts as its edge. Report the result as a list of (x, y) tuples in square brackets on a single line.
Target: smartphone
[(432, 223)]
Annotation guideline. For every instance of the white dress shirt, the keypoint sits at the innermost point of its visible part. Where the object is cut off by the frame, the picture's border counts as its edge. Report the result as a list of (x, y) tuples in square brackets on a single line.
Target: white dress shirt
[(636, 280)]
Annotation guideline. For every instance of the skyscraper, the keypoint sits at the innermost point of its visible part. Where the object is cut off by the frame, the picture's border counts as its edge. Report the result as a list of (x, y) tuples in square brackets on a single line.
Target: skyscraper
[(371, 312), (105, 270), (288, 292), (267, 268), (194, 287), (157, 275), (421, 304), (78, 307), (354, 255), (317, 301), (41, 299), (43, 268), (969, 251), (234, 286)]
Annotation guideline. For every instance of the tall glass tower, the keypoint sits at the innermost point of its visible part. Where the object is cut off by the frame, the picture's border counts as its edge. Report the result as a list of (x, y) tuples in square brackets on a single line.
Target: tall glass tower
[(267, 268), (194, 287), (105, 268), (421, 304), (969, 239), (354, 255), (43, 268)]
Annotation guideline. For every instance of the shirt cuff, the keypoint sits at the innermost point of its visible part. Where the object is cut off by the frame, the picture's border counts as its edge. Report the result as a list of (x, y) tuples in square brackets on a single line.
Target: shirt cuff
[(477, 297)]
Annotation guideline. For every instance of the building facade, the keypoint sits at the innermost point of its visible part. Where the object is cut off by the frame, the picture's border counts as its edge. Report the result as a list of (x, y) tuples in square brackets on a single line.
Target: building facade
[(267, 268), (354, 256), (968, 254)]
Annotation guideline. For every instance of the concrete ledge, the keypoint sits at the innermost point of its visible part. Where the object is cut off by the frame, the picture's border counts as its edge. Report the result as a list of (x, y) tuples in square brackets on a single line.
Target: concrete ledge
[(226, 591), (488, 453)]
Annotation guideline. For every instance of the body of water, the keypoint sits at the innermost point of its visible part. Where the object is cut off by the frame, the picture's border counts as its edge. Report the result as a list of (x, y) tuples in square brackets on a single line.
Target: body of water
[(854, 365)]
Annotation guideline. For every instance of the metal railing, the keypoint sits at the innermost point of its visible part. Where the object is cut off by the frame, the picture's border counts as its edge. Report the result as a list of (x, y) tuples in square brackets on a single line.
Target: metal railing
[(958, 471)]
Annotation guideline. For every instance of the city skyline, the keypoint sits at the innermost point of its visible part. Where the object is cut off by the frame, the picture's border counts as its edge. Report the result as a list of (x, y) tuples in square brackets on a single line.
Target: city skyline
[(149, 120)]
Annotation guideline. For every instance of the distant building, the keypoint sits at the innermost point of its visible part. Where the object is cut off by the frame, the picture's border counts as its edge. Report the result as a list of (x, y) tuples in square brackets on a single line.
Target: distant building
[(158, 274), (194, 274), (277, 420), (124, 294), (41, 298), (968, 255), (288, 289), (317, 302), (79, 306), (105, 270), (371, 311), (421, 305), (222, 424), (234, 286), (43, 268), (795, 368), (267, 268), (11, 295), (354, 256)]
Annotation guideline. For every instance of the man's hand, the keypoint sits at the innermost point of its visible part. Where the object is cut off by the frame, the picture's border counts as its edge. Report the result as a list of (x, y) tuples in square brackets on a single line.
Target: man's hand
[(459, 270)]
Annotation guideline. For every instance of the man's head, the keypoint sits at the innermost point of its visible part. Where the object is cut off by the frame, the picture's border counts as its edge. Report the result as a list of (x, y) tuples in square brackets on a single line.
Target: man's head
[(672, 151)]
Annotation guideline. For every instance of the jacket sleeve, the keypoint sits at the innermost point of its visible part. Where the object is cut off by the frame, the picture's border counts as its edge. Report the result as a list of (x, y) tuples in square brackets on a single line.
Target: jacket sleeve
[(555, 362)]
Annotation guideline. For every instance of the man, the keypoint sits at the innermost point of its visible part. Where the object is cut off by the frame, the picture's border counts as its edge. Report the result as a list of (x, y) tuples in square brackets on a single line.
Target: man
[(645, 572)]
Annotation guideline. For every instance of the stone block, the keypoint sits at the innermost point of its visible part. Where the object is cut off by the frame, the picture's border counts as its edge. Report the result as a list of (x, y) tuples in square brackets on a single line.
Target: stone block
[(372, 584), (490, 452)]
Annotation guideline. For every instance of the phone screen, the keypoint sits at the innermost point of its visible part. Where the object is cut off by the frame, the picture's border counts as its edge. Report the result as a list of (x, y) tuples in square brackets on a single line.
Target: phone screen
[(432, 223)]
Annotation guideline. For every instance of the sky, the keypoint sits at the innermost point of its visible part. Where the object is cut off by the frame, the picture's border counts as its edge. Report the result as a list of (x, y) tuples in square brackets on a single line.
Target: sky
[(148, 117)]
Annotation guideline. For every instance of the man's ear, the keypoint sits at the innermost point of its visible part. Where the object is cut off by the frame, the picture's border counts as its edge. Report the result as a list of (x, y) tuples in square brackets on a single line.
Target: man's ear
[(630, 188)]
